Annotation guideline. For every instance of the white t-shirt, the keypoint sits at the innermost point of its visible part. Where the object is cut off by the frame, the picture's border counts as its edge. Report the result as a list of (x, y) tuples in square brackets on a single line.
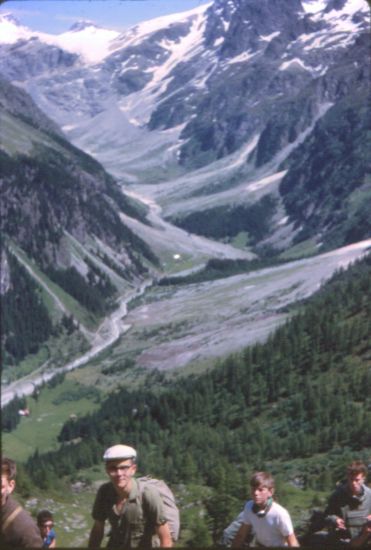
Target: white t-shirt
[(271, 529)]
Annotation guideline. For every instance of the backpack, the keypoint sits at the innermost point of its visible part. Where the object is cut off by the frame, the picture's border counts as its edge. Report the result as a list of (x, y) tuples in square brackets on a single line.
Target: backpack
[(170, 508)]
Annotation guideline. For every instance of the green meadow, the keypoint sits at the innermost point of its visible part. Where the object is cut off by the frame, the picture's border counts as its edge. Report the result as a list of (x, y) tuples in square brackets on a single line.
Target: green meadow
[(48, 412)]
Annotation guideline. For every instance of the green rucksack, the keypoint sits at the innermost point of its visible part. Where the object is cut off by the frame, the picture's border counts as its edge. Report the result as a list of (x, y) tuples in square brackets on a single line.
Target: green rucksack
[(170, 508)]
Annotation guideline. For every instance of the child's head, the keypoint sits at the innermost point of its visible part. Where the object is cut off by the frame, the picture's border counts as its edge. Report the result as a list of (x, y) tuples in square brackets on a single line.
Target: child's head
[(45, 522), (262, 488), (8, 473), (356, 476)]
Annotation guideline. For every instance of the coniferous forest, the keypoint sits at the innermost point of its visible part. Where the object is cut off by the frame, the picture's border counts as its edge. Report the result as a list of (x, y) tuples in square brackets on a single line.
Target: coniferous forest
[(25, 319), (304, 393)]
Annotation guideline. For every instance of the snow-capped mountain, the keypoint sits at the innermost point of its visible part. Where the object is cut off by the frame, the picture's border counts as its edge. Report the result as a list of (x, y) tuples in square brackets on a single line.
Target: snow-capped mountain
[(219, 106), (84, 38)]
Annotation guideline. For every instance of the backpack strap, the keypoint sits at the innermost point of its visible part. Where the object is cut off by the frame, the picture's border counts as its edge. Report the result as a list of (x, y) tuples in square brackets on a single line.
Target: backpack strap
[(9, 520), (141, 498), (140, 495)]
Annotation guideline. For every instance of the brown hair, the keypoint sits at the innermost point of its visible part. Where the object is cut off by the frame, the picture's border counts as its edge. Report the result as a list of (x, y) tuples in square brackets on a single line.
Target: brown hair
[(43, 516), (8, 468), (262, 479), (355, 468)]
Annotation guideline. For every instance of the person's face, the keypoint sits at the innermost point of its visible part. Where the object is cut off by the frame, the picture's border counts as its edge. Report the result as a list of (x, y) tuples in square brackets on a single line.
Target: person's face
[(120, 473), (7, 487), (260, 495), (355, 483), (45, 527)]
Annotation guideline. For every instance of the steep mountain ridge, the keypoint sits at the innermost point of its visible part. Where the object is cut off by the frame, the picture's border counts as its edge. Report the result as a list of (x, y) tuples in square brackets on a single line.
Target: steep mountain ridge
[(58, 189), (61, 218)]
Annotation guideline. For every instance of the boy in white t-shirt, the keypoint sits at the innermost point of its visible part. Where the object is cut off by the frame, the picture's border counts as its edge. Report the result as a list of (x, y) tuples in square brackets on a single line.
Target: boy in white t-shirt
[(270, 522)]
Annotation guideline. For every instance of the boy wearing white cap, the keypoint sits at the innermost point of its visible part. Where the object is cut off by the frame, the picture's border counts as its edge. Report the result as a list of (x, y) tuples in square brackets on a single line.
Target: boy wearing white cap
[(134, 517)]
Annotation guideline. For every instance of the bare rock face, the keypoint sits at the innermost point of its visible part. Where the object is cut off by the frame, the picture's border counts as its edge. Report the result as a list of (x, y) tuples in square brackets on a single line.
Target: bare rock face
[(31, 58)]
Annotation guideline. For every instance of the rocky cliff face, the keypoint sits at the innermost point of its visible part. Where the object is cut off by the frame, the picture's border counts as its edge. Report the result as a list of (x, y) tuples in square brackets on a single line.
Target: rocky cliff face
[(274, 68)]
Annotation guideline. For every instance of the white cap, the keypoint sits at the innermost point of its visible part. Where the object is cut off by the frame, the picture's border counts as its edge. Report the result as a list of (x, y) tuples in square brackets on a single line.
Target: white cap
[(118, 452)]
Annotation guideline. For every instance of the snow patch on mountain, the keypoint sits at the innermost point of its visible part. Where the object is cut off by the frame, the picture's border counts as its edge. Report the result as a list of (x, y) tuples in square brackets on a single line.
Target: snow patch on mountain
[(314, 6), (294, 63), (242, 58), (149, 27), (135, 35), (324, 39), (141, 104), (219, 41), (269, 37), (341, 27), (350, 7), (183, 50), (339, 21)]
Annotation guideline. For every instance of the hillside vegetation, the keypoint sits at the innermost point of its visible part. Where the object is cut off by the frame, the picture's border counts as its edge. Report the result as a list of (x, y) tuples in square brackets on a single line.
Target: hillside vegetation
[(23, 334), (299, 405), (220, 221)]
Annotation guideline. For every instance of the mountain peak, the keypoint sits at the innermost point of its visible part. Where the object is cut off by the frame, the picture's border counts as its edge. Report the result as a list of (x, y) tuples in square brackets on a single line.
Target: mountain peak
[(9, 18), (11, 29), (83, 24)]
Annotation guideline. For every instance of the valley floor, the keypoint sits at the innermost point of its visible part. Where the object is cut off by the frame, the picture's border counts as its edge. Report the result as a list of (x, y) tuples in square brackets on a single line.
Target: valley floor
[(175, 326)]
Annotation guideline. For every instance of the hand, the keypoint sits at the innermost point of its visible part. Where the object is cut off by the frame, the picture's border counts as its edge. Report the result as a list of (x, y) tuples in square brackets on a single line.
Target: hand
[(340, 523)]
